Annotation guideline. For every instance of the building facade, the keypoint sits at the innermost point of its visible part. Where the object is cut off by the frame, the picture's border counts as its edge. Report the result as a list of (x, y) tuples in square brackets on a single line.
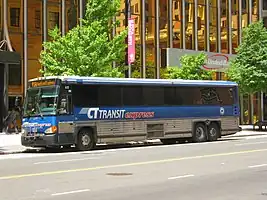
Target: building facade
[(164, 30)]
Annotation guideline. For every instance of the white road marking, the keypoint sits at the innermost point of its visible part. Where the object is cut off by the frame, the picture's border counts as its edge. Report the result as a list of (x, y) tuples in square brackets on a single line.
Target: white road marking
[(178, 177), (251, 143), (255, 166), (70, 192), (60, 161), (255, 137)]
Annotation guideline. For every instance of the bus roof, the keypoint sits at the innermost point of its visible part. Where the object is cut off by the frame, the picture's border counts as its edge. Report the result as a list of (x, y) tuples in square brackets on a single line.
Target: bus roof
[(133, 81)]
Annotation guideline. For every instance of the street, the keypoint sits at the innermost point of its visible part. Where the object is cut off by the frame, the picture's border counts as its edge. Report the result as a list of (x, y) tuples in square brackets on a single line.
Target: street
[(233, 168)]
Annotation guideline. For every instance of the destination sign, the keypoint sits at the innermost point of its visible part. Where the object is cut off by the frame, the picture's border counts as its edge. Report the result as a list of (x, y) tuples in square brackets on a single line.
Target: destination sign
[(42, 83)]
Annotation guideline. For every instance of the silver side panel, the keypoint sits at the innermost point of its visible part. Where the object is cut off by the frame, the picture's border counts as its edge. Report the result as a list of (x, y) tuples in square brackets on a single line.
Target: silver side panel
[(229, 125), (65, 127), (124, 131), (182, 125)]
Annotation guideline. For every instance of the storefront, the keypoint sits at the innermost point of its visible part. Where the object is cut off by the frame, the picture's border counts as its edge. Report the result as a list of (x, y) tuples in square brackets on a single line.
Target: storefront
[(6, 59)]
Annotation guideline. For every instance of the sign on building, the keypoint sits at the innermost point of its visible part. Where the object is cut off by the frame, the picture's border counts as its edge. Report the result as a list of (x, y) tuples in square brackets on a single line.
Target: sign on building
[(214, 61)]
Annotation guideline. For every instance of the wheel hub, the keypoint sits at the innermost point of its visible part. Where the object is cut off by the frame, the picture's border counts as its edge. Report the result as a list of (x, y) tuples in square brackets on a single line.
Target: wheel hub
[(200, 132), (85, 140), (212, 132)]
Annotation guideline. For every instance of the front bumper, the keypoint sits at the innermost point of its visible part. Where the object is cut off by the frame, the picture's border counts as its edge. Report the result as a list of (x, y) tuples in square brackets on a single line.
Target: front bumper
[(39, 141)]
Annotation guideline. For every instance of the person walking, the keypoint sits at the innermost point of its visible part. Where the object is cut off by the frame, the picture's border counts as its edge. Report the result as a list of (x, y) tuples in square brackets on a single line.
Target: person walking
[(11, 119)]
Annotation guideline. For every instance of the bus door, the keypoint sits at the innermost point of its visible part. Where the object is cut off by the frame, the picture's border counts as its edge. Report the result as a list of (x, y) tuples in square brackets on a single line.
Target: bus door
[(65, 116)]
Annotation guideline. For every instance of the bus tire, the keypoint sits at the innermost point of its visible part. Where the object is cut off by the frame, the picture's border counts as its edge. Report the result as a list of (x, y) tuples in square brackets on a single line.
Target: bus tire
[(85, 140), (213, 131), (200, 133)]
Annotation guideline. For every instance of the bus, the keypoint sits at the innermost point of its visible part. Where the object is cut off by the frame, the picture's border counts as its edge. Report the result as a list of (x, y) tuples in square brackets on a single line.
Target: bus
[(84, 111)]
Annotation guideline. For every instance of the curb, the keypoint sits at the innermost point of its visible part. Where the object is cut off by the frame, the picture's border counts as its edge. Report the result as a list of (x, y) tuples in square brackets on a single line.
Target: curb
[(11, 152)]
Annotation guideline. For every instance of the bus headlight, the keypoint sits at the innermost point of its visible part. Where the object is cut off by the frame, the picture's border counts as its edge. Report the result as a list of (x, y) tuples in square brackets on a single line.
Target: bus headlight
[(51, 130)]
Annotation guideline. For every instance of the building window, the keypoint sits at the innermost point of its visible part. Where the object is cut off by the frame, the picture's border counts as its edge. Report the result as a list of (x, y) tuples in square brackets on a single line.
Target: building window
[(264, 4), (265, 22), (53, 20), (176, 5), (15, 17), (37, 19), (136, 8), (14, 74)]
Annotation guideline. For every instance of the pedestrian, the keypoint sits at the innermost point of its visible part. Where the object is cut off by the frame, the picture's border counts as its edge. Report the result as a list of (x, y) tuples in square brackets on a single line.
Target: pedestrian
[(11, 119)]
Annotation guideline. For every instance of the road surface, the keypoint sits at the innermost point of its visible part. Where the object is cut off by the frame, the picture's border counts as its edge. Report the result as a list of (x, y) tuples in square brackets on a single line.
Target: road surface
[(229, 169)]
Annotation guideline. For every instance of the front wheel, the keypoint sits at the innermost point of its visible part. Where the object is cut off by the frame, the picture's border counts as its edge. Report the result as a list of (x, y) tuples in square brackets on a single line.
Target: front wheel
[(85, 140)]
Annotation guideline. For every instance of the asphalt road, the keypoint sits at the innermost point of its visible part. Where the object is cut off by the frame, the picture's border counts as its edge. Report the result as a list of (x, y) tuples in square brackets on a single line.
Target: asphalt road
[(229, 169)]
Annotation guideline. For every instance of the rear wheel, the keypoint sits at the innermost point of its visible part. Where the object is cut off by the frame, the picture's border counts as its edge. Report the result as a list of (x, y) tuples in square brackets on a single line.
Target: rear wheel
[(200, 133), (213, 132), (85, 140)]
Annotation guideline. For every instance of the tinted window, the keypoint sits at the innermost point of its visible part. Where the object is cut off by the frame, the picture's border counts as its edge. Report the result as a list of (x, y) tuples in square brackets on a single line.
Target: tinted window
[(173, 96), (153, 96), (85, 95), (124, 95), (217, 96), (109, 95), (132, 95)]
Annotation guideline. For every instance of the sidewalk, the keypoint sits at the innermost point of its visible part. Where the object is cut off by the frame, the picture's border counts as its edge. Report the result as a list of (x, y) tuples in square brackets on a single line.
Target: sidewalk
[(10, 143)]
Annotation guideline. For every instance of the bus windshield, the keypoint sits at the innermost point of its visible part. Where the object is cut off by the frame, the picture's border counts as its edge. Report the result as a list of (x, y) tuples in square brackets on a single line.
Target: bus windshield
[(41, 101)]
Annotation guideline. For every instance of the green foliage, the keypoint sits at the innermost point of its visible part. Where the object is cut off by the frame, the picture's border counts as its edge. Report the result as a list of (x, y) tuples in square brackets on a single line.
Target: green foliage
[(249, 68), (190, 69), (86, 50)]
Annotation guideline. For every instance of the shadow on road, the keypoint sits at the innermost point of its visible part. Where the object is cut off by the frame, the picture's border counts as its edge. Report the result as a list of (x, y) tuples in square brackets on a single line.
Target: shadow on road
[(110, 146)]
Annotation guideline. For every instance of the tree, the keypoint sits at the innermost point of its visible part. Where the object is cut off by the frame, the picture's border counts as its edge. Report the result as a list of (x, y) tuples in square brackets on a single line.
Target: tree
[(249, 68), (190, 68), (86, 50)]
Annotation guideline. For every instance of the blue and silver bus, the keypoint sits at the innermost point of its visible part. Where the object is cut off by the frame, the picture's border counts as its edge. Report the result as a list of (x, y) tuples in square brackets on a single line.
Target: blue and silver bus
[(85, 111)]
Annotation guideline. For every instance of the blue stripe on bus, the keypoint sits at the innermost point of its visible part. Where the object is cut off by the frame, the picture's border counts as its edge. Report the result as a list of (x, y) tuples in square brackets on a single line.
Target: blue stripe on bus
[(116, 113)]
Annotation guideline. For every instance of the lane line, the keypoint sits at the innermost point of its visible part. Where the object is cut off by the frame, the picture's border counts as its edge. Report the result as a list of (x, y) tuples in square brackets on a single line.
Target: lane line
[(70, 192), (179, 177), (255, 166), (255, 137), (251, 143), (17, 176), (60, 161)]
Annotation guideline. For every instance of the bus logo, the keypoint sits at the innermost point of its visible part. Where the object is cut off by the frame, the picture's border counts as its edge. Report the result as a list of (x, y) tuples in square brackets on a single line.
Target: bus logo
[(97, 113), (222, 111)]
